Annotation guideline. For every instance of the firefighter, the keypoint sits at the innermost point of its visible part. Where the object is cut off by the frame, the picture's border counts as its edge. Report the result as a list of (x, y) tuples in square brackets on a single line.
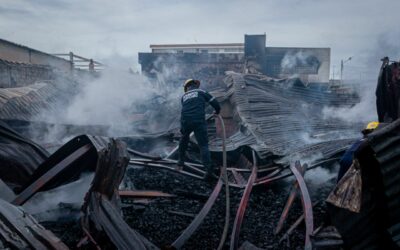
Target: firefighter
[(194, 102), (347, 159)]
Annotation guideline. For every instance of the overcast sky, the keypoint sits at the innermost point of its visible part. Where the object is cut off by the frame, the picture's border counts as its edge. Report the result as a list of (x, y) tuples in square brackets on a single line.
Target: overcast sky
[(365, 29)]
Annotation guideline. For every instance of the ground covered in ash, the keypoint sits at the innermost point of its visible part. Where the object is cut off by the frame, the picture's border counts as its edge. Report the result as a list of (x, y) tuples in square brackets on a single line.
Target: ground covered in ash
[(162, 220), (158, 222)]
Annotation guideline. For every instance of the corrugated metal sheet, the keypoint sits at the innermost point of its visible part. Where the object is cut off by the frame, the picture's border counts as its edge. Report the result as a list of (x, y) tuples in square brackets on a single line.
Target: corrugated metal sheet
[(377, 225), (19, 157), (28, 103), (386, 145), (281, 118)]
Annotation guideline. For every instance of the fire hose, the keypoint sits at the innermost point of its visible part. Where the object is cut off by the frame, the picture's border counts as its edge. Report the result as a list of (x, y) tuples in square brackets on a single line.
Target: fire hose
[(178, 243), (225, 177)]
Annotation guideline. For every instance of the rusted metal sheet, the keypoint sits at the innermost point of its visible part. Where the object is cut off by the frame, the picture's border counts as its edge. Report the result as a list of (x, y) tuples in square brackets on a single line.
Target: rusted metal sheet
[(188, 232), (65, 165), (54, 172), (19, 157), (242, 206), (306, 202), (19, 230)]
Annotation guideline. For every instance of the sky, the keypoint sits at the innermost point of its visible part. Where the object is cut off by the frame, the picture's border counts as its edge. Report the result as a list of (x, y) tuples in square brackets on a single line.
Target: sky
[(105, 30)]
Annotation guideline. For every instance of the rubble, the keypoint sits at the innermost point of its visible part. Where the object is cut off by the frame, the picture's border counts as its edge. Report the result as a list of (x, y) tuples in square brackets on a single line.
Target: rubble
[(20, 230), (139, 199)]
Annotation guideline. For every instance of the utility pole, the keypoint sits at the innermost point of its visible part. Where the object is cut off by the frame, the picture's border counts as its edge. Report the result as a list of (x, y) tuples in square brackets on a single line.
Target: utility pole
[(342, 62)]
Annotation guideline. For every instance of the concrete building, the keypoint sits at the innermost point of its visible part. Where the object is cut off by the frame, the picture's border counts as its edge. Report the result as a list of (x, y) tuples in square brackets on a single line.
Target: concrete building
[(198, 48), (208, 62)]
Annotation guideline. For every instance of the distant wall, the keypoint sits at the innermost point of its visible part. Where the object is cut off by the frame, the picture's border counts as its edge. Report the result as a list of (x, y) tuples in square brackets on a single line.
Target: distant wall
[(20, 74), (17, 53), (209, 68)]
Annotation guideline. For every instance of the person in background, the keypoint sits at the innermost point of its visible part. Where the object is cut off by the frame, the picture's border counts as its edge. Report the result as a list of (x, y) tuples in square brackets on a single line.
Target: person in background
[(347, 159), (194, 102), (91, 65)]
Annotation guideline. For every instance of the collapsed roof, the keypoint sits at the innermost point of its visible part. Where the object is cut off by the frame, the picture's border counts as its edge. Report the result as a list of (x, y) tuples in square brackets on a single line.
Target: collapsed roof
[(283, 118)]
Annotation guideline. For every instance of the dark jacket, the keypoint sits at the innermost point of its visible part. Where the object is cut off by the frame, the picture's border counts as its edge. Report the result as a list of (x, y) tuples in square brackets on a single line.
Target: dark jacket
[(194, 103)]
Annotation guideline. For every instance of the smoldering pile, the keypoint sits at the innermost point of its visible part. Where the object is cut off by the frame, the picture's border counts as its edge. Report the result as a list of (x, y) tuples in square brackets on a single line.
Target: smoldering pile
[(272, 122)]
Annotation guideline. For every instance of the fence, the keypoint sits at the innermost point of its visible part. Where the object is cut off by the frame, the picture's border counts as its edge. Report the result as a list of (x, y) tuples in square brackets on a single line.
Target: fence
[(81, 63)]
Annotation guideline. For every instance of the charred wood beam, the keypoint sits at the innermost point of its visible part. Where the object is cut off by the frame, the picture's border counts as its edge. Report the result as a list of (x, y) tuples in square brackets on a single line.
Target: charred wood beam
[(102, 220), (19, 230), (162, 166), (143, 194)]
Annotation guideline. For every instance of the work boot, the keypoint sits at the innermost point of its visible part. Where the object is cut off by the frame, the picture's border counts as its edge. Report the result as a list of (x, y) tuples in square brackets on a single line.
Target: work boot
[(210, 173)]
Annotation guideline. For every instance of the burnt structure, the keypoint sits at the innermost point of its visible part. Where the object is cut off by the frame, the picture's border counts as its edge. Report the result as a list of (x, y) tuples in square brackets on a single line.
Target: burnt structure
[(275, 129), (388, 91), (377, 224), (175, 63)]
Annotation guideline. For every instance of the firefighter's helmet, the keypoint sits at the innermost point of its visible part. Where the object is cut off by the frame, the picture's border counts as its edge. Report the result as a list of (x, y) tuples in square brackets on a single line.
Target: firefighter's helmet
[(189, 82)]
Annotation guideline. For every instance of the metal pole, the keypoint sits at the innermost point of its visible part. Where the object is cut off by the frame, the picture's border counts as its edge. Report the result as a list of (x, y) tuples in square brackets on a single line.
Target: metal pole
[(341, 72)]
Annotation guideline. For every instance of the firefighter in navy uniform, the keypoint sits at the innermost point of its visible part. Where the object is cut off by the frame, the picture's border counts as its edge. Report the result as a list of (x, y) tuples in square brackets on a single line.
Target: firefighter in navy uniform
[(193, 120)]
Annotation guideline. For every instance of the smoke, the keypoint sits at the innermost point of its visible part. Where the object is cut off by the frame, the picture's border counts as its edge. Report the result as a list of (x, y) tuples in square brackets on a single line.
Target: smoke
[(362, 112), (299, 59), (46, 204), (321, 180), (109, 99), (365, 111), (118, 102)]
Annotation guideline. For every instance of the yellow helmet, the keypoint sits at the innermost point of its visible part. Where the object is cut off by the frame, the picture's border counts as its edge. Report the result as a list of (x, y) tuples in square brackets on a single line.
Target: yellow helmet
[(190, 81), (372, 125)]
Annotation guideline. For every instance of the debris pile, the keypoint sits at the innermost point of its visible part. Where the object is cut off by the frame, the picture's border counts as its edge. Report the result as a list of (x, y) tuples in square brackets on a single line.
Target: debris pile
[(277, 141)]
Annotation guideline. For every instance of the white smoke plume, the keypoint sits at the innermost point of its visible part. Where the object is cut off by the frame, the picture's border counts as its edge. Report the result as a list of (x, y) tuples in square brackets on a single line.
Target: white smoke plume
[(362, 112), (386, 45), (115, 100), (293, 60), (47, 203)]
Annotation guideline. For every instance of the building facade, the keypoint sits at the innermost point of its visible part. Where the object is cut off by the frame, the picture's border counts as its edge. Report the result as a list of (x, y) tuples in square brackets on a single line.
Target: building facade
[(208, 62)]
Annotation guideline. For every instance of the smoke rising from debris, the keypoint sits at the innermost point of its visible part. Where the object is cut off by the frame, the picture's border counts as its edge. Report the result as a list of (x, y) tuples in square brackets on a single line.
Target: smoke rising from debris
[(362, 112), (108, 100), (365, 111), (46, 204), (119, 101)]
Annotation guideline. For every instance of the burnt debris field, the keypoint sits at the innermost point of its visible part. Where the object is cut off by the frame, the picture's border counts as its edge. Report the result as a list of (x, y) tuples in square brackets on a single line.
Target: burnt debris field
[(71, 180)]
